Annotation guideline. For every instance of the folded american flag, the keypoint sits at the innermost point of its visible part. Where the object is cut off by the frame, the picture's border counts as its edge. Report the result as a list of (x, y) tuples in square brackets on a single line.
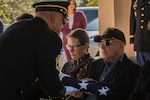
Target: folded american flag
[(73, 84)]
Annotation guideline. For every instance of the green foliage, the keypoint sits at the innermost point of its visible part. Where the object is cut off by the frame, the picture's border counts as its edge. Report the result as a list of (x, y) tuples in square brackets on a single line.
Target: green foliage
[(10, 9), (92, 3)]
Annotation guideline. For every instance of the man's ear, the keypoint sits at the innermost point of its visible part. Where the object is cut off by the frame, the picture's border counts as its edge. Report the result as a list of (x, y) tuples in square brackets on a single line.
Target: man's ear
[(53, 17), (122, 45)]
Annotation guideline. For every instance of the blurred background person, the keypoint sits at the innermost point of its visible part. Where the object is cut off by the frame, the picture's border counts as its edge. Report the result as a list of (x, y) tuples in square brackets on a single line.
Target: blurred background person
[(78, 67), (1, 26), (24, 16), (140, 29), (142, 88), (77, 19)]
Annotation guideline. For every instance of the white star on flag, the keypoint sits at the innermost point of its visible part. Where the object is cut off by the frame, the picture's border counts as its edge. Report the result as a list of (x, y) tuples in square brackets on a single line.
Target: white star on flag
[(103, 91), (83, 84)]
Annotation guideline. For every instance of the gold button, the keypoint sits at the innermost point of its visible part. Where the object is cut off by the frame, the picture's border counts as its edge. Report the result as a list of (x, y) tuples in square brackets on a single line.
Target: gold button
[(142, 8), (142, 14), (142, 27), (142, 21)]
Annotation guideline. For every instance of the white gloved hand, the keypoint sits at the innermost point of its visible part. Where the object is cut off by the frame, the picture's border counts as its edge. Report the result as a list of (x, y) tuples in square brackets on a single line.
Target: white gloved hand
[(61, 75), (70, 89)]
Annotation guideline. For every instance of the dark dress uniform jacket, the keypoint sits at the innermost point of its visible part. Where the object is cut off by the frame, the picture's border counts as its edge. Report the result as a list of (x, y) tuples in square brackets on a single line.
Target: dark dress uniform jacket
[(28, 50), (140, 25), (142, 89), (120, 80)]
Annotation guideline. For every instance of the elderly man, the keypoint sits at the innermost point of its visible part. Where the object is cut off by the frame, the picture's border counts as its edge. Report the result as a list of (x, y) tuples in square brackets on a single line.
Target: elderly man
[(114, 70), (28, 52), (114, 75)]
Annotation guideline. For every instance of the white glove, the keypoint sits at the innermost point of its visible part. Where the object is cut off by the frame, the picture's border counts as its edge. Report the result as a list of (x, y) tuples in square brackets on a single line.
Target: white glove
[(70, 89), (61, 75)]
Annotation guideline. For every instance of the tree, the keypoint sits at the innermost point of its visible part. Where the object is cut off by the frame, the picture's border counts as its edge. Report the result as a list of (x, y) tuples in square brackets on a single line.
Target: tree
[(92, 3), (82, 3), (10, 9)]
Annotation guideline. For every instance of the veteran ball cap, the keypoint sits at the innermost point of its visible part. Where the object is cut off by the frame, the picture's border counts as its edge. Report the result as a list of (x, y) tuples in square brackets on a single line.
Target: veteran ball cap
[(109, 34), (52, 5)]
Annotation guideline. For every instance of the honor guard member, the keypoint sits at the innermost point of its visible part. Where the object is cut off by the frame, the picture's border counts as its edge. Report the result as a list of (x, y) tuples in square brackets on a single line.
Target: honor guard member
[(140, 29), (28, 51)]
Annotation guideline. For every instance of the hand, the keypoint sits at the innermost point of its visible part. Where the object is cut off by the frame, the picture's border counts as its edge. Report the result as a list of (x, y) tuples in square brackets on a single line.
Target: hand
[(89, 79), (78, 94), (61, 75), (70, 90)]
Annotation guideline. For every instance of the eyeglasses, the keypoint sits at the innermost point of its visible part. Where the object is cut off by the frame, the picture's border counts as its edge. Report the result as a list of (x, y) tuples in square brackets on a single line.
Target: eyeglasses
[(73, 47), (106, 42)]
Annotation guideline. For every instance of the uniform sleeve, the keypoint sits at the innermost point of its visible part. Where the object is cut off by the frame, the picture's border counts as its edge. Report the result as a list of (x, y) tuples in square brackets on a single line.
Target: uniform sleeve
[(142, 85), (132, 22), (48, 48)]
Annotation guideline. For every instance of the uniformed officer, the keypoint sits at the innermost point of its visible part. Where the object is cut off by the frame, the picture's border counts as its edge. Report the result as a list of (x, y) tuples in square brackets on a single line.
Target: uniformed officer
[(28, 52), (140, 29)]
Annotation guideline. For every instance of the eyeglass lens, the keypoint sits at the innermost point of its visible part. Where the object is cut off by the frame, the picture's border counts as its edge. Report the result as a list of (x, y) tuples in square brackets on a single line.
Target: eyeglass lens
[(106, 42), (73, 47)]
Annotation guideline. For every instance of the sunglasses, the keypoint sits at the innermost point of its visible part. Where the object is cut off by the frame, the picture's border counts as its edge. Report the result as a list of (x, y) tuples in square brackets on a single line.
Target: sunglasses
[(106, 42)]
